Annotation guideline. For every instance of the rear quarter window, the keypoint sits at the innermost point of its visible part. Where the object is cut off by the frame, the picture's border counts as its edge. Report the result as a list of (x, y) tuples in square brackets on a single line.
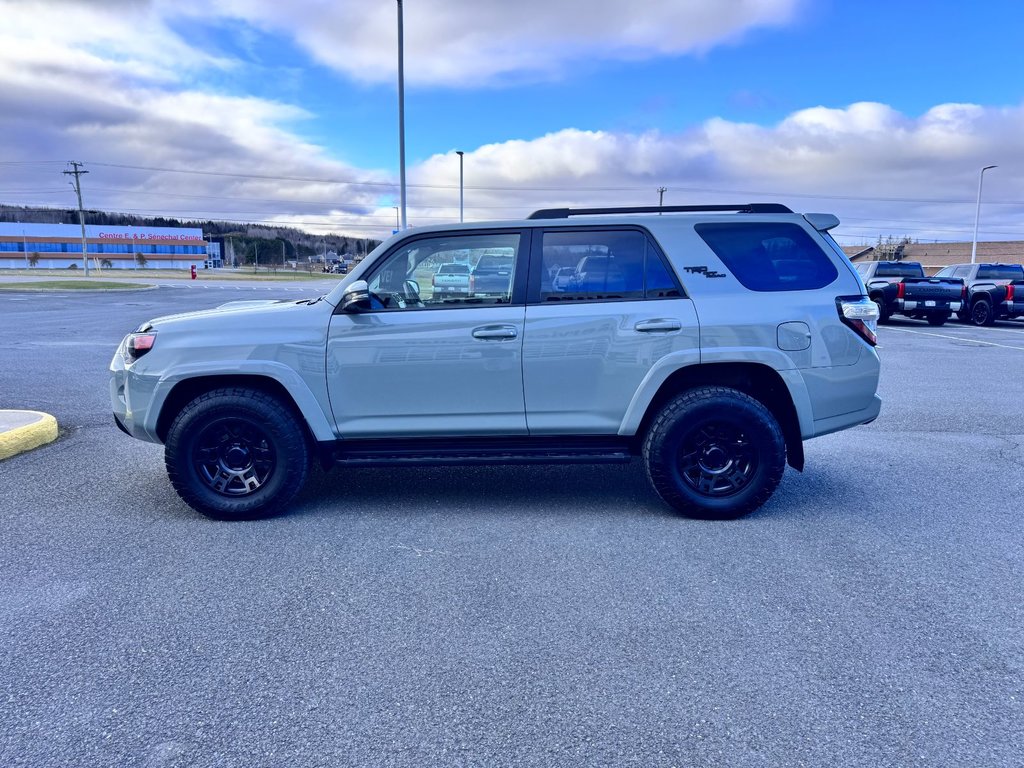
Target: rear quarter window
[(766, 256)]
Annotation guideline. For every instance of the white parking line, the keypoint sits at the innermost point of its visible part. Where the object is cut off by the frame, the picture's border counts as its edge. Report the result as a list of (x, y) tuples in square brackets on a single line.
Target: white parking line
[(955, 338)]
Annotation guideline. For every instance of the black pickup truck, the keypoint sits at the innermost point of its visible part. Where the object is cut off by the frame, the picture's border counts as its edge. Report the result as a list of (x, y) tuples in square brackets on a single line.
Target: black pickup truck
[(993, 291), (901, 288)]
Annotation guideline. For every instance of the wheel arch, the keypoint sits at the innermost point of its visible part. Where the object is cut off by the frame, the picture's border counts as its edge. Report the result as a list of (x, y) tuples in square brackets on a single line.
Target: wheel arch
[(757, 380), (186, 390)]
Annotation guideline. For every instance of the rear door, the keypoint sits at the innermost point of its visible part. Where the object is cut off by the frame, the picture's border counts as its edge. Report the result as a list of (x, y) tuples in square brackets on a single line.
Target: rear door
[(593, 336)]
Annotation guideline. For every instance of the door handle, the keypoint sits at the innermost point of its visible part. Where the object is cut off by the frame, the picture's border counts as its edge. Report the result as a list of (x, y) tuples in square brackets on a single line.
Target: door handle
[(498, 332), (663, 325)]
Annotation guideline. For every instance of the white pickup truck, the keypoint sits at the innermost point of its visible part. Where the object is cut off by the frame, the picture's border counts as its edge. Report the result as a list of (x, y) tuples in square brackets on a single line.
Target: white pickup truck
[(452, 281)]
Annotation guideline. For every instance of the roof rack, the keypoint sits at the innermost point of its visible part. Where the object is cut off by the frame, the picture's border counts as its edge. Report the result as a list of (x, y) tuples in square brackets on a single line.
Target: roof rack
[(564, 213)]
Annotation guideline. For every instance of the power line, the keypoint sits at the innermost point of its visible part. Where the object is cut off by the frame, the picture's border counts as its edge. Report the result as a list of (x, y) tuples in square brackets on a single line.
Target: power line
[(572, 188)]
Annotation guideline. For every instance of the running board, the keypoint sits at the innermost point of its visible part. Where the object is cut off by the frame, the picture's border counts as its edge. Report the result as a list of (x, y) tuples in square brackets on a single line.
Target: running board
[(432, 452)]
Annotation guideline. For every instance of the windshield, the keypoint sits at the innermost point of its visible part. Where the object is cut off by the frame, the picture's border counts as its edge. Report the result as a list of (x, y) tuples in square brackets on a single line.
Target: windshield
[(899, 270), (1001, 272)]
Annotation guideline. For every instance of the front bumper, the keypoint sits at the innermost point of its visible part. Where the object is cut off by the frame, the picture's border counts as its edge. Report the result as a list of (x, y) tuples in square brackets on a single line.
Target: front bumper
[(131, 395)]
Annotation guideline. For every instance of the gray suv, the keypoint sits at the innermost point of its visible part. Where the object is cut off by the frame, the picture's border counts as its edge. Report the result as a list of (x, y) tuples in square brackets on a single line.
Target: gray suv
[(710, 341)]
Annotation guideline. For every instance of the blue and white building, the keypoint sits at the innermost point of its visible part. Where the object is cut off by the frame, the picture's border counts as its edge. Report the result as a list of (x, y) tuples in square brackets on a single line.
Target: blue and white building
[(56, 246)]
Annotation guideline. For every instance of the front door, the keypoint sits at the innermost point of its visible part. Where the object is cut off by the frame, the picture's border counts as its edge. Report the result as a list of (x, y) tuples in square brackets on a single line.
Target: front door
[(425, 362)]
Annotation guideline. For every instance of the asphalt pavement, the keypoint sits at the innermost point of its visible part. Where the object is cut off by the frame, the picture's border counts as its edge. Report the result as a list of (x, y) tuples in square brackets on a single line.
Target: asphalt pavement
[(868, 615)]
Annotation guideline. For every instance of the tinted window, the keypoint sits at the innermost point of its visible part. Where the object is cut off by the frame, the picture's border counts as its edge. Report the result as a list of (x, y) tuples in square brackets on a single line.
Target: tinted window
[(1001, 272), (770, 257), (406, 279), (961, 272), (899, 270), (601, 265)]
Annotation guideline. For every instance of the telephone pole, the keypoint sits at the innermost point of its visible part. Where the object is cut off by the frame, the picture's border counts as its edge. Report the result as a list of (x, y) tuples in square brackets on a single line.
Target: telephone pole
[(76, 172), (661, 197)]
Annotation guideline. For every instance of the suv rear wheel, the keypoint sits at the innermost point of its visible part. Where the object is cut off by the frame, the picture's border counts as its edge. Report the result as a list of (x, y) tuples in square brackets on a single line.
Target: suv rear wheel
[(236, 454), (715, 453)]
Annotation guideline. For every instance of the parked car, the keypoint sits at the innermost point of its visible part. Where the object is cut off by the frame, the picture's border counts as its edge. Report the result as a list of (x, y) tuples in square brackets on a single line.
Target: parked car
[(987, 291), (734, 334), (901, 288), (492, 275), (452, 281)]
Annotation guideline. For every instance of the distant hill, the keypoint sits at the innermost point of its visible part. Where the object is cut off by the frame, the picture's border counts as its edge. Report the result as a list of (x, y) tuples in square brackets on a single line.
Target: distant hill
[(275, 244)]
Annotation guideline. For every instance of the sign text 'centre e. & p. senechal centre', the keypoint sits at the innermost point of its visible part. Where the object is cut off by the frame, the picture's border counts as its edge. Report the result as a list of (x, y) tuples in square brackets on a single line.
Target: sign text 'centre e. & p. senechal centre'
[(147, 236)]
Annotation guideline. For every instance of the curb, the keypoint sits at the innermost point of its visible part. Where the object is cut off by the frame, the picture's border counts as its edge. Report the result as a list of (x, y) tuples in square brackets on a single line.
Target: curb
[(22, 431)]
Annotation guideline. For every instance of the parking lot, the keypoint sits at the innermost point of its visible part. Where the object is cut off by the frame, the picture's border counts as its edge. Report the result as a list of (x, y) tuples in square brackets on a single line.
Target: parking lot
[(869, 614)]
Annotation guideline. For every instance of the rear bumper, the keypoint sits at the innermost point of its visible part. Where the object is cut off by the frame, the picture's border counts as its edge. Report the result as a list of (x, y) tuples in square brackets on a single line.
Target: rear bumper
[(928, 306), (847, 420)]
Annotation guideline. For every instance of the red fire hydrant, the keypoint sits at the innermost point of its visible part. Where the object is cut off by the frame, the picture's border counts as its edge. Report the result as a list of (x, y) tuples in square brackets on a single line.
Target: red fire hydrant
[(193, 271)]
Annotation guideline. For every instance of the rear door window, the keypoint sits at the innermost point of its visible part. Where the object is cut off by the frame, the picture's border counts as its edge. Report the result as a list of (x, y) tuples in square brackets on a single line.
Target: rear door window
[(768, 256), (602, 265)]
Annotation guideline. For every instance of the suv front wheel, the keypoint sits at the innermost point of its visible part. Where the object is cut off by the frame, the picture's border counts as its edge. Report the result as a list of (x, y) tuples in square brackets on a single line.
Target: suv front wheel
[(236, 454), (714, 453)]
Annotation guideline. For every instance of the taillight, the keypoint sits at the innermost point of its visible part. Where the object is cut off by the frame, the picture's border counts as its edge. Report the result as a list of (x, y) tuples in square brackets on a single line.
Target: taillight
[(963, 292), (901, 290), (860, 314), (1009, 293), (138, 344), (472, 283)]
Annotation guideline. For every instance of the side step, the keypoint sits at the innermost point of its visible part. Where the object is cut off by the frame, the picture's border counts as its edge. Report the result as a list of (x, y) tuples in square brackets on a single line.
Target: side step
[(432, 452)]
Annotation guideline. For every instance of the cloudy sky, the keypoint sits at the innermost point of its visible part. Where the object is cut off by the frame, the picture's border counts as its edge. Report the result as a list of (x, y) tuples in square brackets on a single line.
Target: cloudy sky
[(271, 111)]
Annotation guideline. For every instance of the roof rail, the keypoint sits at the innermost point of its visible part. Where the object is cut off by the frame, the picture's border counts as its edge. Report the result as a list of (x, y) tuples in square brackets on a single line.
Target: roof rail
[(564, 213)]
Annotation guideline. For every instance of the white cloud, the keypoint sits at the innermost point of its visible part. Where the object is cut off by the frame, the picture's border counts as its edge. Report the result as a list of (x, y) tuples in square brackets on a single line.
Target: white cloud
[(881, 170), (128, 98), (475, 42)]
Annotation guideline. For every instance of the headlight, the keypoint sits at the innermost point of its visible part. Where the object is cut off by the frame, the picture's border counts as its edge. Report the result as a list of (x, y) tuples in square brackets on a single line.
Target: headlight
[(138, 344)]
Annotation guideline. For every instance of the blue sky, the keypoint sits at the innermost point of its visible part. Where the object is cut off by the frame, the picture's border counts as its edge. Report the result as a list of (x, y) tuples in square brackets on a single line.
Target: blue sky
[(911, 56), (880, 112)]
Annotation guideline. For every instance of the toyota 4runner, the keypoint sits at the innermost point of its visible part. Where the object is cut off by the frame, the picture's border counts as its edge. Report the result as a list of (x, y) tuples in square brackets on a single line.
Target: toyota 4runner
[(710, 341)]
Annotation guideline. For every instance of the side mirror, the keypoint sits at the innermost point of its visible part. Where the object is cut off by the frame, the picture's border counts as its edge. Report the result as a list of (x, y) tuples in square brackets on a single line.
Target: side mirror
[(356, 297)]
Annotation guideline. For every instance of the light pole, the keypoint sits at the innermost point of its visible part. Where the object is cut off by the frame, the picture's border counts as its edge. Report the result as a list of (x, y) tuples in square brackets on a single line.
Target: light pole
[(398, 226), (401, 115), (977, 214), (460, 153)]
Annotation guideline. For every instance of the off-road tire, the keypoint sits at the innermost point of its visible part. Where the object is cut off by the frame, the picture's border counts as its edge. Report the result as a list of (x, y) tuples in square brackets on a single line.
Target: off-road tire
[(883, 312), (683, 420), (268, 427), (982, 314)]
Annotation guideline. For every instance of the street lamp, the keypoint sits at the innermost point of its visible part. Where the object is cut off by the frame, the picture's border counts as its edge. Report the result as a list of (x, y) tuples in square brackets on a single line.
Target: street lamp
[(397, 225), (401, 114), (460, 153), (977, 213)]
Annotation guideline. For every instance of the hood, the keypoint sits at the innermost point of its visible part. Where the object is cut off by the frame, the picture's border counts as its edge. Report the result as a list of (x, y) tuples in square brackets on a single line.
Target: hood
[(235, 311)]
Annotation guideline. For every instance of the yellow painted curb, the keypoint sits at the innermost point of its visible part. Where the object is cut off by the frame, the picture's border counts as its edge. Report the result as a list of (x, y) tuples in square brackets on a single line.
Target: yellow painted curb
[(39, 431)]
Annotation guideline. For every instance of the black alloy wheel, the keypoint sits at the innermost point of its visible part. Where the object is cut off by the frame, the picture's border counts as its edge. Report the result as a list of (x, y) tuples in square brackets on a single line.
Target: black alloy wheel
[(717, 459), (234, 456)]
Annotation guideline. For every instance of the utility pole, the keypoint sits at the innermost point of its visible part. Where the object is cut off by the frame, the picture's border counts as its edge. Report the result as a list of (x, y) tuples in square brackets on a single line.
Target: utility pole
[(256, 248), (460, 153), (76, 172), (661, 197), (401, 115)]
